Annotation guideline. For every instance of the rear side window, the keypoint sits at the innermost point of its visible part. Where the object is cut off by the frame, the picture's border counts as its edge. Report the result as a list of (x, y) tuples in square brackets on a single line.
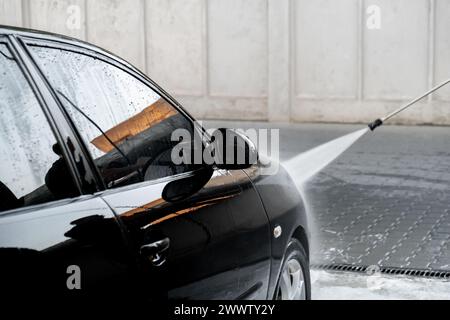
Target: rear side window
[(126, 126), (32, 170)]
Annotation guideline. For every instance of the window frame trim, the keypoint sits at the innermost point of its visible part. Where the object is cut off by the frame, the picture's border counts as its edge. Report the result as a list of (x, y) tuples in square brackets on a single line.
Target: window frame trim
[(92, 171)]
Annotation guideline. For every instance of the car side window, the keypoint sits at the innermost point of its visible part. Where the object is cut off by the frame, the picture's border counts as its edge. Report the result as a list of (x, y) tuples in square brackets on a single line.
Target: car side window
[(32, 169), (126, 126)]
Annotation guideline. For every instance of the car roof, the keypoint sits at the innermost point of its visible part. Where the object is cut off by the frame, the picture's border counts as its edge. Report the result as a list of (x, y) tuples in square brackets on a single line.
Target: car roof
[(44, 35), (4, 29)]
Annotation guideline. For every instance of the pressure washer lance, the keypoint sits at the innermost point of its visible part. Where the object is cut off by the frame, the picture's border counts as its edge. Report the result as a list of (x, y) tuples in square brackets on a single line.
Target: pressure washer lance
[(379, 122)]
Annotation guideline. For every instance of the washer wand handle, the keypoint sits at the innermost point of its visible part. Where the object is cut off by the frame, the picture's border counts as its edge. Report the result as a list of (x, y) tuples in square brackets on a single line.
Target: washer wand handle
[(378, 122)]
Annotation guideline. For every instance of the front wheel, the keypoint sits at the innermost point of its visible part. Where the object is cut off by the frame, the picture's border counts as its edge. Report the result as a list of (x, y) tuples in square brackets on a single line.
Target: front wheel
[(294, 281)]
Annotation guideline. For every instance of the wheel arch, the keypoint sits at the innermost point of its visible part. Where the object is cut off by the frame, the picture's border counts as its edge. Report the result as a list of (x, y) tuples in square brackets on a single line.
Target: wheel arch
[(301, 235)]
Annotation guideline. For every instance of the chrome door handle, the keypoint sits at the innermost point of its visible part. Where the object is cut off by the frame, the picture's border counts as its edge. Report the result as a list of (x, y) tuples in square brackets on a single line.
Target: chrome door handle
[(155, 251)]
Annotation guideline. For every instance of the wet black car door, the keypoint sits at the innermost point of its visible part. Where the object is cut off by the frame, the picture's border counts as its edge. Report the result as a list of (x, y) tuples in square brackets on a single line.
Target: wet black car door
[(192, 247), (196, 253)]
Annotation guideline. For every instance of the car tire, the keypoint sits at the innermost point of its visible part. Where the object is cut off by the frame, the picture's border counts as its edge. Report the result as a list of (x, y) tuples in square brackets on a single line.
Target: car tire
[(294, 281)]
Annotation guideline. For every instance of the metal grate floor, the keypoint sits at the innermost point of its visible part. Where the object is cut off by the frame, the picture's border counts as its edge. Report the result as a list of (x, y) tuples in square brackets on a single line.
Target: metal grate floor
[(438, 274)]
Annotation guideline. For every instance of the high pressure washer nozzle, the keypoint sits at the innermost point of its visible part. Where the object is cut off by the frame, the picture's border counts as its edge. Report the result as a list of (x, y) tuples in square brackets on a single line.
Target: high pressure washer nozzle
[(375, 124)]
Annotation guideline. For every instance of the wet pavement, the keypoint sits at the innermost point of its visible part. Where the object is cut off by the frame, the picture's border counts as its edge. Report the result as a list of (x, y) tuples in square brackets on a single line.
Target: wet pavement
[(385, 201)]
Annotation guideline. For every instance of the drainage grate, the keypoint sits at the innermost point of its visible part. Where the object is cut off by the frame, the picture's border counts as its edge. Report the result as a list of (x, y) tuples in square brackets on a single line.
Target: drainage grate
[(426, 273)]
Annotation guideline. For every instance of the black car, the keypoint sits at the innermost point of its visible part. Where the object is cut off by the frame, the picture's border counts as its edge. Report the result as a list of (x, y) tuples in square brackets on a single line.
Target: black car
[(92, 203)]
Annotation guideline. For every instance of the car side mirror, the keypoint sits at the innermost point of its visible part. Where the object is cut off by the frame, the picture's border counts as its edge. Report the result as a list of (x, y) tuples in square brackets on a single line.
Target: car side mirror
[(233, 150)]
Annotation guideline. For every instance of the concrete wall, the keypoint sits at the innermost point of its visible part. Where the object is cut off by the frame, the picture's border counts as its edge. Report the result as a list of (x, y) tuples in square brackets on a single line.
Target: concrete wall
[(278, 60)]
